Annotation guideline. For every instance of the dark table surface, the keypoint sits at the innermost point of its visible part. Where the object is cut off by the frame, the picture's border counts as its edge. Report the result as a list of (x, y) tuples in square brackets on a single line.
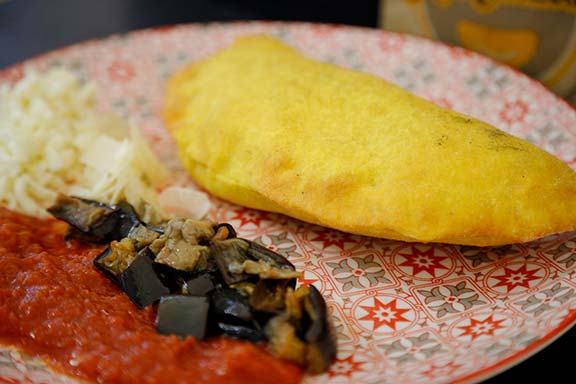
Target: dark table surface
[(31, 27)]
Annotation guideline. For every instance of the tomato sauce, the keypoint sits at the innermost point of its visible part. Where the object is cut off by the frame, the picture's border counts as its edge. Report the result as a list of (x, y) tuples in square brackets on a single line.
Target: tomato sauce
[(54, 304)]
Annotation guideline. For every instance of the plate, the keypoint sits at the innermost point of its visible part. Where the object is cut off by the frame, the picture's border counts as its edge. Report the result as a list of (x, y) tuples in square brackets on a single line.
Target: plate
[(403, 312)]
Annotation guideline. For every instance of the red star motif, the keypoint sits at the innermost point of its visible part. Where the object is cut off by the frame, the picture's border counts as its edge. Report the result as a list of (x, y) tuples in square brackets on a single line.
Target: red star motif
[(248, 216), (514, 111), (441, 370), (345, 367), (391, 43), (384, 314), (120, 71), (331, 237), (306, 282), (423, 261), (481, 327), (516, 278)]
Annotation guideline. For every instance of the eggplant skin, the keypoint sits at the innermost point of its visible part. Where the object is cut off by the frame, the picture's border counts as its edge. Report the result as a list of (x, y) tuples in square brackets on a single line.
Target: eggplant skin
[(183, 315), (141, 283), (242, 332), (93, 221), (320, 335)]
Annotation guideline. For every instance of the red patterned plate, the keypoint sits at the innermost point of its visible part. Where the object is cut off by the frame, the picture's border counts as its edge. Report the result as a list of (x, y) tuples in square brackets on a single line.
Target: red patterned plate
[(404, 312)]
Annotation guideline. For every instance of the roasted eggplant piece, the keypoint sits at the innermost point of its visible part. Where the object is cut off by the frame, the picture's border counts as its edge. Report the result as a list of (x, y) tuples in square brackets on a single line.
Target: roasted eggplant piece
[(183, 315), (269, 296), (230, 255), (231, 306), (224, 231), (320, 337), (260, 253), (140, 282), (116, 258), (199, 285), (94, 221), (283, 340), (180, 246), (239, 259), (128, 220), (99, 263), (142, 235), (305, 327), (241, 332)]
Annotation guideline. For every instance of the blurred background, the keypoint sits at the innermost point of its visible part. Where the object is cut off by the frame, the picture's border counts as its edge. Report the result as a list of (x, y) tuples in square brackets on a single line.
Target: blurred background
[(536, 36)]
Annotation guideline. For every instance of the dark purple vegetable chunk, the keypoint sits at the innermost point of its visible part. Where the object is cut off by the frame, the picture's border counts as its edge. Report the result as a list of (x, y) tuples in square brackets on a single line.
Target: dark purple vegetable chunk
[(242, 332), (90, 220), (183, 315), (101, 266), (128, 219), (269, 296), (230, 255), (224, 231), (140, 282), (259, 252), (231, 306), (199, 285), (320, 334)]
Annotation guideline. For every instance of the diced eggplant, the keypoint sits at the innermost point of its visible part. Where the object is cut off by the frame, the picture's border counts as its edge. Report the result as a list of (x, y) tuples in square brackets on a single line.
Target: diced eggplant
[(116, 258), (303, 333), (283, 341), (260, 253), (269, 296), (198, 285), (269, 257), (320, 337), (96, 221), (142, 235), (224, 231), (183, 315), (172, 278), (182, 255), (140, 282), (230, 306), (197, 231), (242, 332), (128, 220), (180, 246), (267, 271), (101, 266), (230, 255)]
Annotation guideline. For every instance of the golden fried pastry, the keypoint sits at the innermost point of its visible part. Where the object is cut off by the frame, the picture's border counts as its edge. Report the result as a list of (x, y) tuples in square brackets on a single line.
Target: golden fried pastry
[(260, 125)]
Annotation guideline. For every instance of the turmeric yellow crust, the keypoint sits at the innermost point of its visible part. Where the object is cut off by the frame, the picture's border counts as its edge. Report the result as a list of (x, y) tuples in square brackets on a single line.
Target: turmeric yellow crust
[(260, 125)]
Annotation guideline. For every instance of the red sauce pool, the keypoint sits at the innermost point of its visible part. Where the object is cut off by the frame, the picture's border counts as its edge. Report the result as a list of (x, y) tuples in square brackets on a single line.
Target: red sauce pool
[(54, 304)]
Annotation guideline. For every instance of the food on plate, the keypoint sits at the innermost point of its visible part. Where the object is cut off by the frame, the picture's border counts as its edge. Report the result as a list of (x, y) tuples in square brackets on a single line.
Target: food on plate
[(261, 125), (207, 281), (55, 140), (55, 305)]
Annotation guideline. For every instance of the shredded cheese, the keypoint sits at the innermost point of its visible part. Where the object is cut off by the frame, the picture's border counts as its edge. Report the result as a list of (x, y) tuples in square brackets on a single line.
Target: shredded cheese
[(54, 140)]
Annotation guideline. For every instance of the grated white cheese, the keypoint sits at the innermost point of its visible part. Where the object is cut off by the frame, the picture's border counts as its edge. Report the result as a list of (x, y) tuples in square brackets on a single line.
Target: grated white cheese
[(54, 140)]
